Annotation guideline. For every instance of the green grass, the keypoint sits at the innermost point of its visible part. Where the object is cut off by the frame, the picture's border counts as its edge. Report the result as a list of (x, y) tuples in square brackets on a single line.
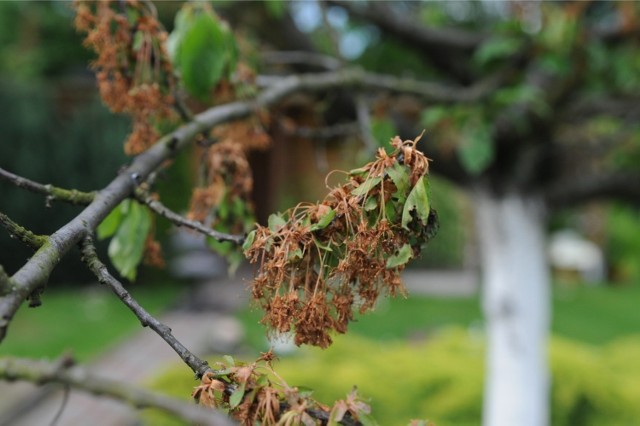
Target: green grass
[(83, 320), (595, 315)]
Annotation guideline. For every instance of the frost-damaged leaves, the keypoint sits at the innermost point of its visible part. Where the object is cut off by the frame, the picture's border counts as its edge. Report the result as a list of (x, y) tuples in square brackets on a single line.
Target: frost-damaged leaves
[(247, 392), (133, 69), (321, 262)]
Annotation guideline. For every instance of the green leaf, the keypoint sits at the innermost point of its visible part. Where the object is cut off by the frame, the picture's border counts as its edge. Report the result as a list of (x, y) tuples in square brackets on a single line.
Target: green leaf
[(204, 50), (383, 130), (127, 245), (276, 222), (229, 360), (476, 150), (236, 397), (402, 257), (497, 48), (367, 419), (324, 220), (276, 8), (249, 240), (366, 186), (370, 204), (399, 174), (110, 224), (417, 201), (432, 116)]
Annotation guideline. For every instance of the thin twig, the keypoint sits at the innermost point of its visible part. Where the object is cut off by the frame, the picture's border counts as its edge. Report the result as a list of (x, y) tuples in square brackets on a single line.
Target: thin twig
[(179, 220), (90, 258), (323, 133), (23, 234), (72, 196), (326, 62), (41, 372)]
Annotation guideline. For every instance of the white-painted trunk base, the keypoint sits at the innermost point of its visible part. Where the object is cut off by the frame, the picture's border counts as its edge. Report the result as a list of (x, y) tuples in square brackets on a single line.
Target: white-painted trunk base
[(516, 305)]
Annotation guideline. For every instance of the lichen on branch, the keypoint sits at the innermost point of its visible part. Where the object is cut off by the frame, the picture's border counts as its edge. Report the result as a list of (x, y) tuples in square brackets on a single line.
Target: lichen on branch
[(320, 263)]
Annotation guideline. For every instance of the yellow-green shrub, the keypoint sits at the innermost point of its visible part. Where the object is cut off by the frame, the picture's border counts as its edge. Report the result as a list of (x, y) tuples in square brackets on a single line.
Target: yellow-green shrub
[(441, 378)]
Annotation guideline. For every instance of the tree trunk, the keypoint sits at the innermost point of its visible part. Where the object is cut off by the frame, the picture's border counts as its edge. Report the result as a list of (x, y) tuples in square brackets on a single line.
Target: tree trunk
[(516, 305)]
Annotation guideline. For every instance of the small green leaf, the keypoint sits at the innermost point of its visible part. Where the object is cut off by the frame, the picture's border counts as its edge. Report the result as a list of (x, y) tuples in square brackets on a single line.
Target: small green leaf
[(304, 391), (276, 8), (402, 257), (367, 419), (497, 48), (127, 245), (399, 174), (263, 380), (296, 254), (432, 116), (205, 49), (417, 201), (110, 224), (324, 220), (383, 130), (276, 222), (236, 397), (366, 186), (229, 360), (370, 204), (249, 240), (476, 150)]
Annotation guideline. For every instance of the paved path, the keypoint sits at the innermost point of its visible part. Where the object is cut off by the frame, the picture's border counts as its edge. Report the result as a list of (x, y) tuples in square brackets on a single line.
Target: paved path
[(210, 328)]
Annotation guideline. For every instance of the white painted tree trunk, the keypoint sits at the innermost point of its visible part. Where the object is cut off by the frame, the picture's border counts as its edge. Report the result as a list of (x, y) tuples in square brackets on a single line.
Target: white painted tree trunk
[(516, 305)]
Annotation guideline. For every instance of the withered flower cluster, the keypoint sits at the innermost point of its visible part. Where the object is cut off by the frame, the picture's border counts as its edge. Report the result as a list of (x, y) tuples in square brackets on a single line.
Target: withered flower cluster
[(223, 200), (250, 395), (320, 263), (133, 69)]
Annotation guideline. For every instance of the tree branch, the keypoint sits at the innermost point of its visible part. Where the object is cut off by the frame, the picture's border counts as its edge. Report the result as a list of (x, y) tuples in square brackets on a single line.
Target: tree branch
[(41, 372), (441, 45), (319, 60), (159, 208), (90, 258), (35, 272), (574, 190), (16, 231), (72, 196), (6, 285)]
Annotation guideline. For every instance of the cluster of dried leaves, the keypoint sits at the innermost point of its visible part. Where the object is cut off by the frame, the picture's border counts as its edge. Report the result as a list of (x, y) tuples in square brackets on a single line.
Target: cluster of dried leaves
[(133, 70), (319, 263), (223, 201), (249, 394)]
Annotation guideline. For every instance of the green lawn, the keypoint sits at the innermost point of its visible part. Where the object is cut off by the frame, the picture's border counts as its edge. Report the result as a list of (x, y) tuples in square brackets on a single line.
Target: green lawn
[(595, 315), (83, 320)]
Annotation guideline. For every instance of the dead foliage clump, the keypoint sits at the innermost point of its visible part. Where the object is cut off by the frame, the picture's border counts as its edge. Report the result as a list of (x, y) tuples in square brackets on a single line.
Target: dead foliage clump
[(321, 263)]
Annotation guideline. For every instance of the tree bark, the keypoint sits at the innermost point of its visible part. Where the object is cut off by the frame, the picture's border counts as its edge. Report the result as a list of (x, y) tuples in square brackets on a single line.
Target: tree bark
[(516, 305)]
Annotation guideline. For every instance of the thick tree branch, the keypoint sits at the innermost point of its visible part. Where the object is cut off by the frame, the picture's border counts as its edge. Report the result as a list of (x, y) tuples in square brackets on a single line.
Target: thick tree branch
[(6, 285), (72, 196), (159, 208), (36, 271), (41, 372), (578, 189), (90, 258), (16, 231)]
